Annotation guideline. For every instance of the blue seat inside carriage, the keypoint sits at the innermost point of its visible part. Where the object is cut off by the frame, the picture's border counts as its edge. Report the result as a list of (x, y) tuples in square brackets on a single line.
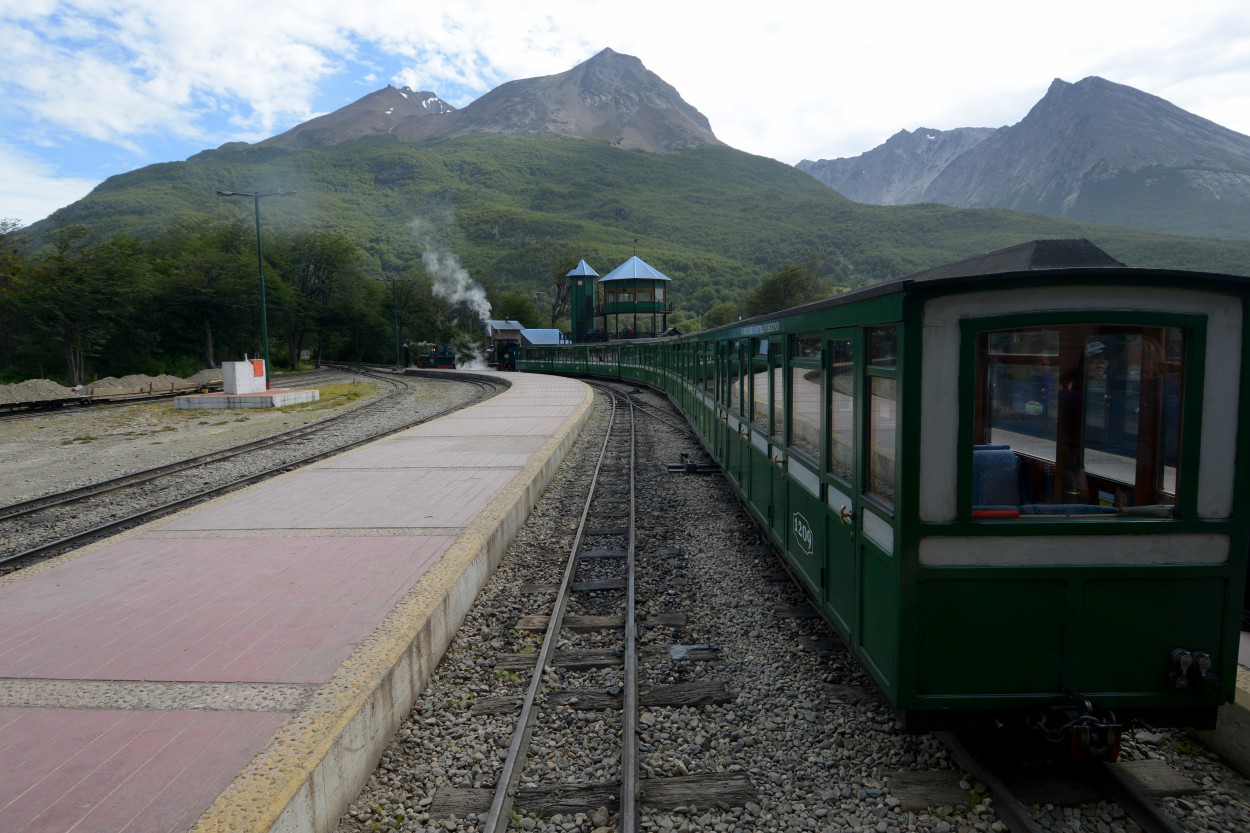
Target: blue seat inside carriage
[(997, 487), (995, 477)]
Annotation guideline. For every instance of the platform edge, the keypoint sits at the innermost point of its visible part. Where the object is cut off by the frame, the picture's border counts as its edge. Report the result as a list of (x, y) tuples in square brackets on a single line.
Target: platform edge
[(317, 763)]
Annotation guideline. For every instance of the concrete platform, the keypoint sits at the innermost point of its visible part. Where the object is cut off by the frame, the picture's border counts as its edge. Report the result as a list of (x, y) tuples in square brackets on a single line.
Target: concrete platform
[(275, 398), (1231, 737), (241, 666)]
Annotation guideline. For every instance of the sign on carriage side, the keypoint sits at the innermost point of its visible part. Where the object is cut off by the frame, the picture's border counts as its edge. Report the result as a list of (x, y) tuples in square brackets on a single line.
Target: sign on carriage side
[(802, 533)]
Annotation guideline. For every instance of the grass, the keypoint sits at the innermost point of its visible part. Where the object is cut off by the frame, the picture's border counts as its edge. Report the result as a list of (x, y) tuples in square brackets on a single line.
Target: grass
[(336, 396)]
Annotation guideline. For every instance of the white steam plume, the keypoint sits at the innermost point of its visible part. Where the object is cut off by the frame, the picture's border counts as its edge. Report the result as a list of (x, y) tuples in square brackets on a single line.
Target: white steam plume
[(451, 280)]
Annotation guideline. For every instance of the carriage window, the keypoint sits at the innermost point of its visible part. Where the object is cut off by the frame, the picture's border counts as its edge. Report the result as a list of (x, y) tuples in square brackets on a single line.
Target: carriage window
[(779, 391), (736, 402), (804, 427), (1078, 420), (883, 347), (841, 409), (759, 383), (882, 436)]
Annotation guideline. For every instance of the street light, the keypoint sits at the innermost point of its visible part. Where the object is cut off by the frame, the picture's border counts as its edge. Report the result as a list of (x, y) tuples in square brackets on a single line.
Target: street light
[(260, 267), (395, 315)]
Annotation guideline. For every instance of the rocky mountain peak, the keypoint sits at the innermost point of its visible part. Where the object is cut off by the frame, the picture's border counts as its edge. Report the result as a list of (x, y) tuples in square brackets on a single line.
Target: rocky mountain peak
[(610, 97), (1091, 150), (899, 171), (383, 111)]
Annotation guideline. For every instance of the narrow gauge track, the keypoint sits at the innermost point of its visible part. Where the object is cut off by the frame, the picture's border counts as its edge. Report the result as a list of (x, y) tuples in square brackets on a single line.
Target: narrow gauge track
[(39, 504), (800, 715), (593, 625), (1108, 779), (612, 496), (144, 496)]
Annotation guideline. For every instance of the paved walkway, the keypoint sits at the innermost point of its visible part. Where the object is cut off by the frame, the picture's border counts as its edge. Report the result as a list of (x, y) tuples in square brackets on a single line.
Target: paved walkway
[(242, 665)]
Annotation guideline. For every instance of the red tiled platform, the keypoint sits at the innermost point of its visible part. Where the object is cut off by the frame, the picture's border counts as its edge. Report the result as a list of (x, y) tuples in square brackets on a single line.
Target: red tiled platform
[(240, 667)]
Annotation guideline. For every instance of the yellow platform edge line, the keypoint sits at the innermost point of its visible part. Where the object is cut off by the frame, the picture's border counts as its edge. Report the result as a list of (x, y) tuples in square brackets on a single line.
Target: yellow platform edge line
[(319, 760)]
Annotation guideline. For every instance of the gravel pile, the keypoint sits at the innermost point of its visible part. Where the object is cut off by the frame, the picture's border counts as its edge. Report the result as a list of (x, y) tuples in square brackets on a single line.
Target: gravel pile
[(44, 390), (35, 390), (805, 723)]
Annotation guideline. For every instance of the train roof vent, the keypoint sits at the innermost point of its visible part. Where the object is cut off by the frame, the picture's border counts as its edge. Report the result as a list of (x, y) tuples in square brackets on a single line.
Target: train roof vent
[(1027, 257)]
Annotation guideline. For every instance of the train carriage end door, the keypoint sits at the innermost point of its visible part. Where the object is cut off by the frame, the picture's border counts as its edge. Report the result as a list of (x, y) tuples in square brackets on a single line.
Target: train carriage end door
[(878, 470), (841, 402)]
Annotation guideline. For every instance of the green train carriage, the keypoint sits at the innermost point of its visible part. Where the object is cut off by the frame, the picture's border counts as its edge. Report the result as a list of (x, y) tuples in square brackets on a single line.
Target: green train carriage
[(1008, 483)]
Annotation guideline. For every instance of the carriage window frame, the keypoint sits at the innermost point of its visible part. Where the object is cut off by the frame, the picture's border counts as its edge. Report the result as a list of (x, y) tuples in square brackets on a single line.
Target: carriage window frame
[(803, 360), (1193, 328), (735, 393), (882, 347), (759, 362), (842, 471), (778, 355)]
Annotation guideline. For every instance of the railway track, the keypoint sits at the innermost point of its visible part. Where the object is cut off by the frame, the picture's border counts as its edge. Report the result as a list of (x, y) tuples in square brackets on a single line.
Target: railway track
[(1109, 780), (587, 666), (774, 701), (78, 516)]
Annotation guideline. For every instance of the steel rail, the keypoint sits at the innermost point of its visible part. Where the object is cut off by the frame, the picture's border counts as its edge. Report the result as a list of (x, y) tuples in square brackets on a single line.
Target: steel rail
[(497, 817), (648, 411), (1147, 813), (629, 809), (1009, 808), (86, 536), (39, 504)]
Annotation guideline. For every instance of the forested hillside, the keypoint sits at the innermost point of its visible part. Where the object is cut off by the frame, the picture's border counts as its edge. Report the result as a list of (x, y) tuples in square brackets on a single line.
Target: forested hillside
[(165, 269)]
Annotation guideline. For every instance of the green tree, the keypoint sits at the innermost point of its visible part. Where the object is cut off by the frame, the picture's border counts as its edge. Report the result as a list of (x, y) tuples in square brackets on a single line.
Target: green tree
[(318, 267), (559, 304), (14, 328), (516, 306), (209, 294), (80, 294), (790, 287), (725, 312)]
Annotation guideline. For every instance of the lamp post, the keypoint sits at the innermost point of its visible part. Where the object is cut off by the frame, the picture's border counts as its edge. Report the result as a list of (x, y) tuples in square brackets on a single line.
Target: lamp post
[(399, 362), (260, 267)]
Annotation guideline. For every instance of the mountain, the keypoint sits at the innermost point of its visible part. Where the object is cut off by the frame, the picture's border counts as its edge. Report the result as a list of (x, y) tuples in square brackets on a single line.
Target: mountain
[(590, 163), (900, 171), (388, 110), (1094, 151), (611, 98)]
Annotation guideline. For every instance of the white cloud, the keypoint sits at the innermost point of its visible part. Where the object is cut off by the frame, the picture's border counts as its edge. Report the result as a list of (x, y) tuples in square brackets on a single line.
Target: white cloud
[(786, 79), (30, 190)]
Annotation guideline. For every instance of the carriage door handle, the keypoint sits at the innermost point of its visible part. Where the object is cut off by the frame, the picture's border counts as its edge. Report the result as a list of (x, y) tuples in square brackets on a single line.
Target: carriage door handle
[(845, 515)]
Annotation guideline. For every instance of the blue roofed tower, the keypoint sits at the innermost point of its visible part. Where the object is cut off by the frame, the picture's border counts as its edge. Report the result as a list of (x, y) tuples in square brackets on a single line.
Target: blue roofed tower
[(582, 299), (635, 300)]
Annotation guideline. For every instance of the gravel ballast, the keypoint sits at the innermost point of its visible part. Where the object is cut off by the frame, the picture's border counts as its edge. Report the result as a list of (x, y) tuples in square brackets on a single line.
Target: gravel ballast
[(61, 450), (805, 723)]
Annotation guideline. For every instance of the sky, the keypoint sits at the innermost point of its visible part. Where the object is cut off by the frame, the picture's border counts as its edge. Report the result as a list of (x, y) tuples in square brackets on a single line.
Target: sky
[(95, 88)]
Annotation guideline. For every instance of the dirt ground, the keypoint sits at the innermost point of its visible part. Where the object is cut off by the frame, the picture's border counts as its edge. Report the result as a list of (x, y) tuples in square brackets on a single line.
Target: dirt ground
[(77, 446)]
